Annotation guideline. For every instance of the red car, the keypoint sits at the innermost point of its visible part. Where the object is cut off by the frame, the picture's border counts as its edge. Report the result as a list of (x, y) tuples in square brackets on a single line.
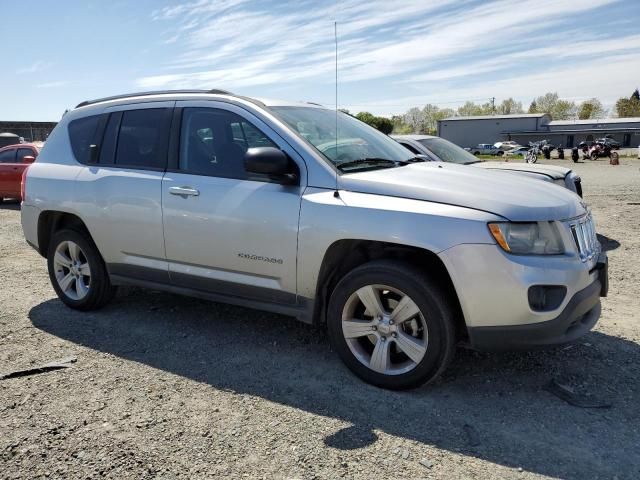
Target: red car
[(14, 159)]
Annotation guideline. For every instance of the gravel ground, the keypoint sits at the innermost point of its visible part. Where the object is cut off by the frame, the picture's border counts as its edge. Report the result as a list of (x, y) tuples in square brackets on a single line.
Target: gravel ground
[(171, 387)]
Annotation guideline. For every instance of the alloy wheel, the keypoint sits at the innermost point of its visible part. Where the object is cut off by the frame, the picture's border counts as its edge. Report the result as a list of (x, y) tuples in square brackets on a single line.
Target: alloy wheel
[(72, 270), (385, 329)]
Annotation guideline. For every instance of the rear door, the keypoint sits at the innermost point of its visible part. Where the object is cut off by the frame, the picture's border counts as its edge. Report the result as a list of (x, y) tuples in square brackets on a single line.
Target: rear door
[(8, 170), (119, 191), (230, 232)]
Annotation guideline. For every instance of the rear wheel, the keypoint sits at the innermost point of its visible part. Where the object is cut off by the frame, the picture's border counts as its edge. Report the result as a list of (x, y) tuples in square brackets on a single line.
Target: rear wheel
[(391, 325), (77, 272), (594, 155)]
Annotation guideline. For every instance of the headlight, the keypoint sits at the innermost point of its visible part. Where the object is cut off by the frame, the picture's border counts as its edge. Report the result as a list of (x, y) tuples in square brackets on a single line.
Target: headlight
[(536, 238)]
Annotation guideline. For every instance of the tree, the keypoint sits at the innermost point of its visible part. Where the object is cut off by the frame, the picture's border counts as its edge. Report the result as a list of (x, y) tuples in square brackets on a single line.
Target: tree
[(414, 119), (366, 117), (509, 107), (399, 126), (533, 108), (558, 109), (591, 108), (470, 108), (629, 107), (381, 123)]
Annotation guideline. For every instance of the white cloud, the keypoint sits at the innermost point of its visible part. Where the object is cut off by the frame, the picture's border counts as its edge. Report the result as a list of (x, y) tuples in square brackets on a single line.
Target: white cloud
[(37, 66), (55, 84), (414, 46)]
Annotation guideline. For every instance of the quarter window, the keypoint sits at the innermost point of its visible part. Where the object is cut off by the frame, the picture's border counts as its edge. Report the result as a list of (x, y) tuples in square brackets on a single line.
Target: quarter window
[(213, 142), (82, 134)]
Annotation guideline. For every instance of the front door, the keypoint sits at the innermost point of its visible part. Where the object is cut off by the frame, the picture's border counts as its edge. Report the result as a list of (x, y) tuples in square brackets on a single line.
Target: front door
[(227, 231), (626, 140)]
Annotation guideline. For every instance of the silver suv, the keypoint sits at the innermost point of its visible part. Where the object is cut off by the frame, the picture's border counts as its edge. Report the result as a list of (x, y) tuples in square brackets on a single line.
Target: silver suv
[(300, 210)]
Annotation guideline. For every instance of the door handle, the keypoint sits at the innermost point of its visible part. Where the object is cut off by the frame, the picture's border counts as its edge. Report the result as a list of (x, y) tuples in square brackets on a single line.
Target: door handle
[(184, 191)]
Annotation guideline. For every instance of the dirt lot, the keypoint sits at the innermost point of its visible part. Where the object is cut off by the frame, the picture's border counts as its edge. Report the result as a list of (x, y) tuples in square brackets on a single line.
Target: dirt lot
[(170, 387)]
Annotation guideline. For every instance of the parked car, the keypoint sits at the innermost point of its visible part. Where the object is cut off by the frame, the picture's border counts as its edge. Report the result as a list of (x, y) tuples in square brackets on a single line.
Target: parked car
[(439, 149), (610, 142), (222, 197), (14, 159), (517, 152), (507, 145), (486, 149)]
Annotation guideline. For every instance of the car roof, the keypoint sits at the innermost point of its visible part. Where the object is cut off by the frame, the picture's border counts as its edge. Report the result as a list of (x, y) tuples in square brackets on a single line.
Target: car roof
[(20, 145), (129, 98), (412, 137)]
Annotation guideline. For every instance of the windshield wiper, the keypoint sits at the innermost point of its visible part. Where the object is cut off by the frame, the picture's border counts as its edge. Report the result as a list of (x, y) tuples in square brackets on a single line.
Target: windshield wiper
[(372, 161)]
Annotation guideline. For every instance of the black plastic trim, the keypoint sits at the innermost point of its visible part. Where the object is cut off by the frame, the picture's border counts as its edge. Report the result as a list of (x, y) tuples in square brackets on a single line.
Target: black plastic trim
[(226, 292)]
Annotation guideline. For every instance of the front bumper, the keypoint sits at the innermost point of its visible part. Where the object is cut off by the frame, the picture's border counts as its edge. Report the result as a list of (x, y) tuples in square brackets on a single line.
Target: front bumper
[(577, 318)]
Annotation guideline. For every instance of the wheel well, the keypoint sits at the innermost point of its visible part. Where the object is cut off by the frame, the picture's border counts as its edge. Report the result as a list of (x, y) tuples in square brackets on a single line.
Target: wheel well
[(49, 222), (345, 255)]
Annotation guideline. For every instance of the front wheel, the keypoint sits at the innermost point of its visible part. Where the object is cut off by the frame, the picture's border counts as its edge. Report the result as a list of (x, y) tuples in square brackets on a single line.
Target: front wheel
[(594, 156), (77, 272), (532, 158), (391, 325)]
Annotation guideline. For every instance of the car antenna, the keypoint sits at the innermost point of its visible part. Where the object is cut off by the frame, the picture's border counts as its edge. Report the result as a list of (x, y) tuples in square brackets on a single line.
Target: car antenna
[(336, 193)]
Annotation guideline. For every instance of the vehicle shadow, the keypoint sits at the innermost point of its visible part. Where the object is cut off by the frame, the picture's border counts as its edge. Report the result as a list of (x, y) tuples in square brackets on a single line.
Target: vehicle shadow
[(10, 205), (491, 407), (607, 243)]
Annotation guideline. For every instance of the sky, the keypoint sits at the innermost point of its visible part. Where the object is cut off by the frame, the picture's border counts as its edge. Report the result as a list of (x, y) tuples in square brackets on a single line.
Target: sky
[(392, 55)]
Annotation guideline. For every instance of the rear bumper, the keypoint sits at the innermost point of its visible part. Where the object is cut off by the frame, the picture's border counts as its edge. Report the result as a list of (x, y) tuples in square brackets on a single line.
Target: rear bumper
[(29, 219), (577, 318)]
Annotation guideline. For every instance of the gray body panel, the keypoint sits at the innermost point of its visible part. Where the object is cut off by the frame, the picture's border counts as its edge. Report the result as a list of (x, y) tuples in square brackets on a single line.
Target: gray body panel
[(549, 173)]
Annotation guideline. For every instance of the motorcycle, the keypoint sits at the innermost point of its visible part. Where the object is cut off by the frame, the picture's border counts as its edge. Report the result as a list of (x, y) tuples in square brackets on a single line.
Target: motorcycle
[(601, 149), (536, 149), (575, 155)]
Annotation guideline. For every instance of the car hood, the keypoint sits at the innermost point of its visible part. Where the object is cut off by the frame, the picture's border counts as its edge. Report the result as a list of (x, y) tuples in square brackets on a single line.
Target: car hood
[(510, 196), (556, 173)]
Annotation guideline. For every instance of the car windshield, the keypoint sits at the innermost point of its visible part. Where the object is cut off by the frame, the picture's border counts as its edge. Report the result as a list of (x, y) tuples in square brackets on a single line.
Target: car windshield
[(447, 151), (355, 147)]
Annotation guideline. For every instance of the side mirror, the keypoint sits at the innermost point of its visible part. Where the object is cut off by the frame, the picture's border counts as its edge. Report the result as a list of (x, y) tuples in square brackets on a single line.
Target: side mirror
[(268, 161), (28, 159)]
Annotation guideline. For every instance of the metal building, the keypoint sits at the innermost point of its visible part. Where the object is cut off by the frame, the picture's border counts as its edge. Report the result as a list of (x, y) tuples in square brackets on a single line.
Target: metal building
[(525, 128), (30, 131)]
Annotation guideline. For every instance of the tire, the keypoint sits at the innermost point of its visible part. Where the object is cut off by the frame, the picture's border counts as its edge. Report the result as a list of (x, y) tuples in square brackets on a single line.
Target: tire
[(500, 153), (78, 275), (593, 156), (476, 153), (532, 158), (429, 332)]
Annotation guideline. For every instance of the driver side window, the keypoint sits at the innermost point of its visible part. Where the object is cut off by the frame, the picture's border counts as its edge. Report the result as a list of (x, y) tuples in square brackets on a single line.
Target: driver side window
[(213, 142)]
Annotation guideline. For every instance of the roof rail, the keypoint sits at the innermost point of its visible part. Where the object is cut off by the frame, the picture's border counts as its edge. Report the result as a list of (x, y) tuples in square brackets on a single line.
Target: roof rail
[(142, 94)]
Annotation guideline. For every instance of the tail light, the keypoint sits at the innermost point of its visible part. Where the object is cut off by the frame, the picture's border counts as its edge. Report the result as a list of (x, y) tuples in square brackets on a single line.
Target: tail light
[(23, 184)]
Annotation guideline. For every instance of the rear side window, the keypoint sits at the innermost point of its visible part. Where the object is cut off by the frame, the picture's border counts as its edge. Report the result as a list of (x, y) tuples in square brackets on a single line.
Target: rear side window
[(143, 138), (82, 134), (8, 156)]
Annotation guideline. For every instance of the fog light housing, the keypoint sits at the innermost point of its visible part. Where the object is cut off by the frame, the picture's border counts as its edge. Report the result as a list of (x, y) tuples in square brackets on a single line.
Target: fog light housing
[(543, 298)]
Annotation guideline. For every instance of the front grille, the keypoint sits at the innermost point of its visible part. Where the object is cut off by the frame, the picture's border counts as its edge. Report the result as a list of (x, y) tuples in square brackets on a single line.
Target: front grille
[(584, 234), (578, 184)]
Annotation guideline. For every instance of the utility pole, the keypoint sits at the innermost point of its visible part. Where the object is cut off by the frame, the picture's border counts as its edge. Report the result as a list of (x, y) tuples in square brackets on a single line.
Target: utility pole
[(493, 105)]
